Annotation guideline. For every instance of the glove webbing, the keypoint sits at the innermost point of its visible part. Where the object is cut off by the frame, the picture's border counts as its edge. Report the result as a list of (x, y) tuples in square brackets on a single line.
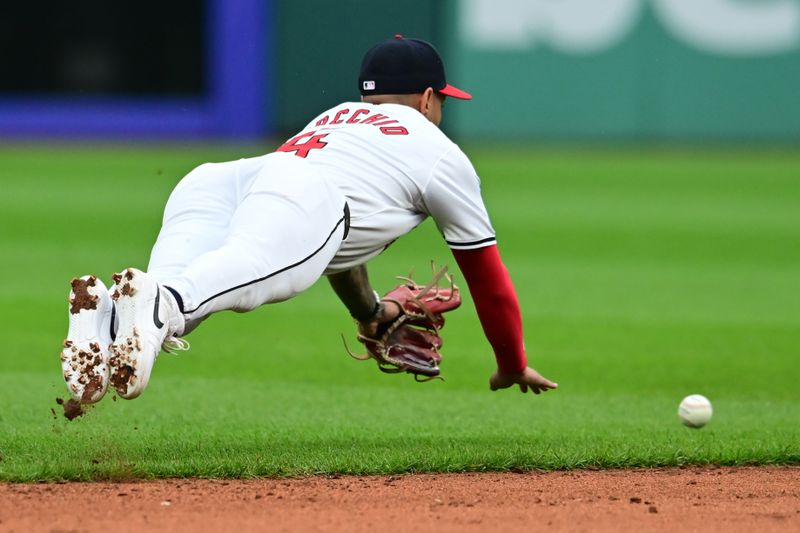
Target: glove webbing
[(395, 366)]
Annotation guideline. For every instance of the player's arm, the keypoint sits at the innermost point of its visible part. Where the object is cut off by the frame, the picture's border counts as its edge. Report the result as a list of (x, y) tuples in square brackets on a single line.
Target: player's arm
[(498, 310), (453, 198), (354, 290)]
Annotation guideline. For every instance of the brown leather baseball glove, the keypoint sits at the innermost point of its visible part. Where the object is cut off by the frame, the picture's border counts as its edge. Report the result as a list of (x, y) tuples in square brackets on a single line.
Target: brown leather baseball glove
[(410, 343)]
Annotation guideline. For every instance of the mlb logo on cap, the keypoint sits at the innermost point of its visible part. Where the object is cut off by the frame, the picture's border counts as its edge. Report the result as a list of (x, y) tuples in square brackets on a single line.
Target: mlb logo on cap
[(369, 85)]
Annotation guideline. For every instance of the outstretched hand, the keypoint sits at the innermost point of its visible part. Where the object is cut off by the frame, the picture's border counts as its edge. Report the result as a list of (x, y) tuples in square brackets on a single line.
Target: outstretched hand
[(528, 379)]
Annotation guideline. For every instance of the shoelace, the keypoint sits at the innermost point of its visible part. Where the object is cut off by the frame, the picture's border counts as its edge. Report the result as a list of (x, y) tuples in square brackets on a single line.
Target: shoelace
[(174, 344)]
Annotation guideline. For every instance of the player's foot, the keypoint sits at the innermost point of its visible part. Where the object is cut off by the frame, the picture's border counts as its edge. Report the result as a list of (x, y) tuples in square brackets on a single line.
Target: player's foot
[(149, 319), (84, 357)]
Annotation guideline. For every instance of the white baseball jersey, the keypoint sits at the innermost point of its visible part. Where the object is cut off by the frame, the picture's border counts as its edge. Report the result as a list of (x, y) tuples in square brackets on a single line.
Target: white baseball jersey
[(240, 234), (395, 168)]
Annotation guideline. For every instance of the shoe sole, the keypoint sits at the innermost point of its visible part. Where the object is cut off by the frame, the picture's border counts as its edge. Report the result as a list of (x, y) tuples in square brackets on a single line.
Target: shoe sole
[(84, 358), (129, 367)]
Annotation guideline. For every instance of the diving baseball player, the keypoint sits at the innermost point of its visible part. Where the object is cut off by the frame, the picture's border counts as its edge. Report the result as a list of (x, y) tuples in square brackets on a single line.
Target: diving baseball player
[(241, 234)]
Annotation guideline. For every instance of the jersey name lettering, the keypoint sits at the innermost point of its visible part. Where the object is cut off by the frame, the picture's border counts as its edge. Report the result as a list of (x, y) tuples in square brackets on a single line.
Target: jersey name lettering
[(377, 119), (338, 118)]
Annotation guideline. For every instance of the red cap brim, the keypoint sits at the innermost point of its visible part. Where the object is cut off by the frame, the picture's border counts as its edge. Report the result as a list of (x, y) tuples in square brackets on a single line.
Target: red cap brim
[(453, 92)]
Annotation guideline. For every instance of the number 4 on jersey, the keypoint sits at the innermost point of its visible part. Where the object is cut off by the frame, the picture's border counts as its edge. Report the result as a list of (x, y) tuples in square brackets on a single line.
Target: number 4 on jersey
[(302, 149)]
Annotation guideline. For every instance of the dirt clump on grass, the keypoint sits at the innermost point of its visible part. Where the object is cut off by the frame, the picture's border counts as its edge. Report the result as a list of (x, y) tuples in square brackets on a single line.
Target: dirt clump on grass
[(72, 408), (682, 499)]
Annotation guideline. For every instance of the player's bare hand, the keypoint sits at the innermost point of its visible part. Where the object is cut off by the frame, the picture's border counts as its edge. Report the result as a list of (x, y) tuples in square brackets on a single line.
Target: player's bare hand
[(387, 312), (528, 379)]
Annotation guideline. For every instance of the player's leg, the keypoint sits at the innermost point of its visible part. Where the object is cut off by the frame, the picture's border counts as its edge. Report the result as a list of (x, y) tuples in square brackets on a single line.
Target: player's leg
[(196, 218), (282, 237)]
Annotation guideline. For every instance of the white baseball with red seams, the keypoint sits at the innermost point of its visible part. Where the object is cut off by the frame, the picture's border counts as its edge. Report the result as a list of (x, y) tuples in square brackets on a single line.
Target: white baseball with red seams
[(695, 411)]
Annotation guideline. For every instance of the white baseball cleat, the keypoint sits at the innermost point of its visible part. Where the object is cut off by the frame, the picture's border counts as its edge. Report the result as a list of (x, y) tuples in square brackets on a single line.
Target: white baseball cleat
[(149, 320), (84, 357)]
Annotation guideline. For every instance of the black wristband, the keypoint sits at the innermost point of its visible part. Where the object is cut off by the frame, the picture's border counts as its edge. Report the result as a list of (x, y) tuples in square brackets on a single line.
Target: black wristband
[(372, 314)]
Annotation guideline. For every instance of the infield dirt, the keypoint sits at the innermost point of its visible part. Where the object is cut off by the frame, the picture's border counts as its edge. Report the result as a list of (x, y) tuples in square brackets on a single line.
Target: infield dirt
[(686, 499)]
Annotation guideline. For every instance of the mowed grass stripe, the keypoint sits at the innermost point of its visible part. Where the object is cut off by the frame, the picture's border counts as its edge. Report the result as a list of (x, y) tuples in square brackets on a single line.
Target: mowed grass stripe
[(316, 435), (643, 277)]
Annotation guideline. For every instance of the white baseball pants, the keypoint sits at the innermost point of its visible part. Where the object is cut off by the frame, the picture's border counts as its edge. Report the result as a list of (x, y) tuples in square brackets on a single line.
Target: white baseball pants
[(242, 234)]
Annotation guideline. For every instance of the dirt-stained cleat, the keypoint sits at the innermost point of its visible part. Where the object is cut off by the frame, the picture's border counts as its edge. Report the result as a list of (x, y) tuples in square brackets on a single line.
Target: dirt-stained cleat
[(149, 319), (84, 356)]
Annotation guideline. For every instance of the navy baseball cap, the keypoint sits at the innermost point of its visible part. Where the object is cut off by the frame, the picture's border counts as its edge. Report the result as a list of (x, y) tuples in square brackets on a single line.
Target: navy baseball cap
[(404, 66)]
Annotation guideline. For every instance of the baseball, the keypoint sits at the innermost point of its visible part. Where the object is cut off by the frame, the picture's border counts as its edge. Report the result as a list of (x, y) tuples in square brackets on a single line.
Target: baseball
[(695, 411)]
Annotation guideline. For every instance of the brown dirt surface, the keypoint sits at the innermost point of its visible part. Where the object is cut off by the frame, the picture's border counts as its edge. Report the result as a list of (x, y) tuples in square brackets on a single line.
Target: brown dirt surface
[(686, 499)]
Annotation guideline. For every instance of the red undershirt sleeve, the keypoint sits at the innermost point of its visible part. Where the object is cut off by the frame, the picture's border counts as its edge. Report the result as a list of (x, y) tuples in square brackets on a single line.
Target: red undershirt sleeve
[(496, 303)]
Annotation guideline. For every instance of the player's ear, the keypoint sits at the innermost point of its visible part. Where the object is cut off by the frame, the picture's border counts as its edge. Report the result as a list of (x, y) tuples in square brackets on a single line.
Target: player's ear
[(426, 101)]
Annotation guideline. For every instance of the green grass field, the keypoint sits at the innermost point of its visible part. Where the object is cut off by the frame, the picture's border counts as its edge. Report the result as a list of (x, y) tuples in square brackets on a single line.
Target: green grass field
[(644, 276)]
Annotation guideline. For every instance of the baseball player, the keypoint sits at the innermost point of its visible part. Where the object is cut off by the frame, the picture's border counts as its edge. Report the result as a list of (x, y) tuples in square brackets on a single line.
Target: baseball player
[(245, 233)]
